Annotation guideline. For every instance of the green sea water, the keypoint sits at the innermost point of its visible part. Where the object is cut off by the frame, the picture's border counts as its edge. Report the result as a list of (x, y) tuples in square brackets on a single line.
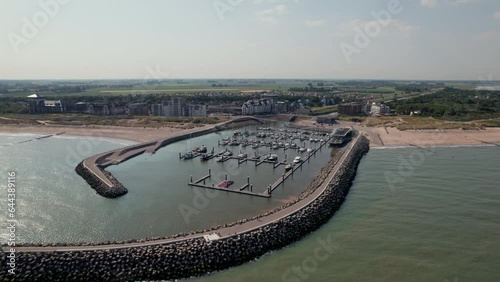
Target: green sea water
[(441, 224), (438, 222)]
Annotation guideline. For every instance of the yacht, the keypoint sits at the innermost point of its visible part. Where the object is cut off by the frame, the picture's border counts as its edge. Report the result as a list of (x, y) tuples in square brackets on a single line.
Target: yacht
[(188, 156)]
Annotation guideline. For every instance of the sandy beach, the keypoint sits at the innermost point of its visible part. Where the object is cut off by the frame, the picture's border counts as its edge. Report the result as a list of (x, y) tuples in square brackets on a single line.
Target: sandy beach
[(378, 136), (393, 137), (137, 134)]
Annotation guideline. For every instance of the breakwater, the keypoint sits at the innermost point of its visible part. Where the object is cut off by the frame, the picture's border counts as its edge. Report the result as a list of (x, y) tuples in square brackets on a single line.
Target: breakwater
[(193, 257), (92, 169), (115, 190)]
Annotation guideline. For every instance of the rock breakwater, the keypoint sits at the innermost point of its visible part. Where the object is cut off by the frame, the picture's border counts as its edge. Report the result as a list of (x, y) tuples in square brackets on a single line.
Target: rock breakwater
[(192, 257)]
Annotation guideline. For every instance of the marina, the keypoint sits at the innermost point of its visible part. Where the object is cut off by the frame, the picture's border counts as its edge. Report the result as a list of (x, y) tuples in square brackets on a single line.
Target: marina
[(264, 139)]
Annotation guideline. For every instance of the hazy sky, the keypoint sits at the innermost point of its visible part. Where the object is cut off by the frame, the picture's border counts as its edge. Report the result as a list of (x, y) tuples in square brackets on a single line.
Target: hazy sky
[(425, 39)]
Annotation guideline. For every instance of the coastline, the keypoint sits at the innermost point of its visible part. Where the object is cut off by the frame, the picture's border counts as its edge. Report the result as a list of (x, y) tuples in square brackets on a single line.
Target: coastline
[(136, 134), (196, 256), (380, 137), (392, 137)]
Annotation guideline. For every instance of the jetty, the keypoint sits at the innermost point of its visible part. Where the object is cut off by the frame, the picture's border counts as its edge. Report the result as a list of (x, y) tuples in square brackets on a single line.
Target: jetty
[(237, 242), (92, 169)]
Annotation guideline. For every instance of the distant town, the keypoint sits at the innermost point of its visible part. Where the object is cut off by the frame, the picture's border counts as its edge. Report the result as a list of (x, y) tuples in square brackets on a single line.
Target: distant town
[(326, 100)]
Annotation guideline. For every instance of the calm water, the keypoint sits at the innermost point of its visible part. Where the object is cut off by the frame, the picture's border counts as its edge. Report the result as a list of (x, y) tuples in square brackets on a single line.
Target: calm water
[(56, 205), (441, 224)]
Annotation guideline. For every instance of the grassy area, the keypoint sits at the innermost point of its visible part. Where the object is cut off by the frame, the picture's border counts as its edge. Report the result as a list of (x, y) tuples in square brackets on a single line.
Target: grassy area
[(324, 110), (420, 123), (351, 118), (173, 87), (489, 122)]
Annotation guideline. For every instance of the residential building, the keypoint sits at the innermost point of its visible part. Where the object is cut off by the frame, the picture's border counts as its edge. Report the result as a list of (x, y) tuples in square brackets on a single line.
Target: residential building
[(379, 109), (350, 109), (98, 109), (259, 107), (138, 109), (37, 104)]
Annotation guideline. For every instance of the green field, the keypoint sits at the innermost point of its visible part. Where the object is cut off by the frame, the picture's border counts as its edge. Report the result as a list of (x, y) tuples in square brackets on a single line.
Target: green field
[(170, 87)]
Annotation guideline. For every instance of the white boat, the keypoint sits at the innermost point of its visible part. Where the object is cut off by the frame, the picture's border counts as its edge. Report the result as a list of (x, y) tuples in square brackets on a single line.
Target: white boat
[(288, 167), (242, 156), (297, 160), (188, 156), (309, 150), (228, 153), (219, 159), (302, 149), (273, 157)]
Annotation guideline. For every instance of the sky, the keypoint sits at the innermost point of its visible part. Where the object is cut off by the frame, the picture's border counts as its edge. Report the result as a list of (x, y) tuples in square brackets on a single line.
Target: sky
[(313, 39)]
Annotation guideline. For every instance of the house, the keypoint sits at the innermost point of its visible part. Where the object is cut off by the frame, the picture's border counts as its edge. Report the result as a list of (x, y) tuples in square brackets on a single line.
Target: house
[(138, 109), (37, 104), (350, 109), (262, 106)]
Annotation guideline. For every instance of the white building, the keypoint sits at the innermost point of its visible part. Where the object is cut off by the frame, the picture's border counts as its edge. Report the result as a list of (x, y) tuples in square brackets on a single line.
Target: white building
[(379, 109), (257, 107), (175, 108)]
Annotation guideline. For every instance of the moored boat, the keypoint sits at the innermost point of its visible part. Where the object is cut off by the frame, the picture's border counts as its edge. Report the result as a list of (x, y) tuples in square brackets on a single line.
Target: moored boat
[(273, 157), (297, 160), (225, 184)]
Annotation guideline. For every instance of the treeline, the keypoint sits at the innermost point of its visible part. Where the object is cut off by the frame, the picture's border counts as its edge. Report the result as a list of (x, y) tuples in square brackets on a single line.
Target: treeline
[(453, 104)]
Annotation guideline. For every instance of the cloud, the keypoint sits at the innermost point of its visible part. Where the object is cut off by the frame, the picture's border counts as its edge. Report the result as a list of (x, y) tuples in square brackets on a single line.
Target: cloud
[(391, 27), (314, 23), (497, 15), (428, 3), (271, 15)]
